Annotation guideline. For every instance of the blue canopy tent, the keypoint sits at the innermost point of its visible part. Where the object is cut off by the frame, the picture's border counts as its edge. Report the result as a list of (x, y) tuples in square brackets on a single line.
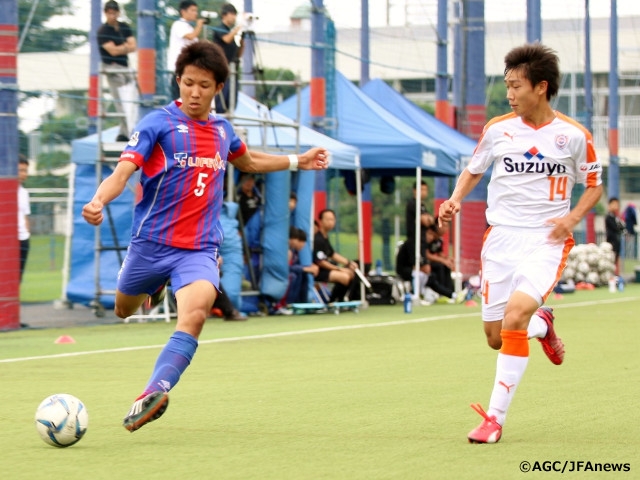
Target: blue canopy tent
[(452, 140), (387, 145)]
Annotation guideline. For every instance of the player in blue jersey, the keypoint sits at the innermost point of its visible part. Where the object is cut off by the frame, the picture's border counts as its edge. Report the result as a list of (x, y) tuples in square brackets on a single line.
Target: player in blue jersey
[(181, 151)]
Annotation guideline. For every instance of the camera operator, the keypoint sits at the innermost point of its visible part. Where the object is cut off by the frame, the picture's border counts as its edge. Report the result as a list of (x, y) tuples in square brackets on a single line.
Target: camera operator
[(182, 34), (225, 36)]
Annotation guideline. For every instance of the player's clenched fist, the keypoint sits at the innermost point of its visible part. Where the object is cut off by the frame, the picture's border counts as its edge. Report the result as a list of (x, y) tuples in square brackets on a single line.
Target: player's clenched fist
[(92, 212), (447, 210)]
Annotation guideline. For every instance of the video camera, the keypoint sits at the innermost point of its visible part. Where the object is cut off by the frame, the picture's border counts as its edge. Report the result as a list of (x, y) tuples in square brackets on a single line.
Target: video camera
[(208, 16)]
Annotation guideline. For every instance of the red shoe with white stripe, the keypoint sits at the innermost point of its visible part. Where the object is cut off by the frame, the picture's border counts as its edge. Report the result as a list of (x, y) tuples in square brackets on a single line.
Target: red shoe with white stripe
[(551, 343)]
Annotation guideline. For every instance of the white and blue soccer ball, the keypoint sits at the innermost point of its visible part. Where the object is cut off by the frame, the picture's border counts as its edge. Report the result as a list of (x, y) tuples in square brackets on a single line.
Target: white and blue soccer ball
[(61, 420)]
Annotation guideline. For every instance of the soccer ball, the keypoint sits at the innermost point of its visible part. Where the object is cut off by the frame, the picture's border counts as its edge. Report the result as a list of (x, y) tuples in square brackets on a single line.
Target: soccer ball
[(61, 420)]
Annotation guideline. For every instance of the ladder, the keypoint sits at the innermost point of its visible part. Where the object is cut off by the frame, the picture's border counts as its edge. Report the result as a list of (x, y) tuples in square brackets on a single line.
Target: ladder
[(108, 154)]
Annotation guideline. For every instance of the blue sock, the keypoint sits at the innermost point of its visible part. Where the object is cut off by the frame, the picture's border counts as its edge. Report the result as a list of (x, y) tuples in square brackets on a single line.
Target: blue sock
[(172, 361)]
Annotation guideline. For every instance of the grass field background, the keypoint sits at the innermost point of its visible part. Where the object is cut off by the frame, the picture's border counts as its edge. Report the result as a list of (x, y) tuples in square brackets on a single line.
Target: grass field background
[(374, 395)]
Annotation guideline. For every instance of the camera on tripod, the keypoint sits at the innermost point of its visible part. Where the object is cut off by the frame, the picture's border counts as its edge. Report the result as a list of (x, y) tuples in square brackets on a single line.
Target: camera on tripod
[(248, 19), (208, 16)]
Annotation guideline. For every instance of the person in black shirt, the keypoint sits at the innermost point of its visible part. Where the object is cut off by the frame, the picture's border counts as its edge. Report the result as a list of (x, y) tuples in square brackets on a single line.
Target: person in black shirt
[(115, 41), (225, 36), (329, 260), (249, 197), (426, 219), (441, 265), (614, 228), (405, 265)]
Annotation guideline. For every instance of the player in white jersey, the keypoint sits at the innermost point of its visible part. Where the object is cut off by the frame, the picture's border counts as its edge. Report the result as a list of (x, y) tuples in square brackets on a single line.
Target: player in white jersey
[(538, 155)]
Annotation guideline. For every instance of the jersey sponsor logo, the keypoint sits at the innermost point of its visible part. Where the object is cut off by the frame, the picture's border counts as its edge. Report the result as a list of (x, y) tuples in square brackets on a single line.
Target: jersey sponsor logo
[(590, 167), (533, 152), (127, 155), (184, 160), (183, 129), (222, 132), (513, 166), (561, 141)]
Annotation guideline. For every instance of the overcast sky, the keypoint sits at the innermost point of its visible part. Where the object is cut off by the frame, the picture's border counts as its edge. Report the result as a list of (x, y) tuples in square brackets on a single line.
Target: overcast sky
[(274, 14)]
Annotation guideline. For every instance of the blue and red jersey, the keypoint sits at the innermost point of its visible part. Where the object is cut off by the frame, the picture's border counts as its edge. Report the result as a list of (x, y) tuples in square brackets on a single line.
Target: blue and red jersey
[(182, 163)]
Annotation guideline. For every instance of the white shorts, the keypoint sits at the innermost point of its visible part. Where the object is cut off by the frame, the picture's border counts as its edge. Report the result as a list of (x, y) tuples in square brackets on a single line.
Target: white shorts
[(519, 259)]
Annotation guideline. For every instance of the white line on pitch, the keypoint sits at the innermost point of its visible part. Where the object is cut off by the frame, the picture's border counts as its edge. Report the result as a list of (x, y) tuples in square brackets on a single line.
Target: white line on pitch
[(297, 332)]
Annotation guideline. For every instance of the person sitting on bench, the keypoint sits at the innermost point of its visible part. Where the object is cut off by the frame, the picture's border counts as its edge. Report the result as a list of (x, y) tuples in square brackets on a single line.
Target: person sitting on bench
[(334, 267)]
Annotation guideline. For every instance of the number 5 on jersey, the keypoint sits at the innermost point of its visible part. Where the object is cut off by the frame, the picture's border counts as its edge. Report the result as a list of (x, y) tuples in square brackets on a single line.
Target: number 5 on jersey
[(201, 185)]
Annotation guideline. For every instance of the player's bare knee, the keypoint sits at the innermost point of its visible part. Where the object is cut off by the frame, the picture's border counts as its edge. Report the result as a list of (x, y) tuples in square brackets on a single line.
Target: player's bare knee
[(121, 312), (495, 343)]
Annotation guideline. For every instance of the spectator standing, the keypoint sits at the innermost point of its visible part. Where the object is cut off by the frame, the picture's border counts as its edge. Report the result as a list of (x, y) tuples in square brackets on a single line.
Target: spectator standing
[(614, 228), (224, 35), (24, 210), (182, 34), (116, 41), (426, 219)]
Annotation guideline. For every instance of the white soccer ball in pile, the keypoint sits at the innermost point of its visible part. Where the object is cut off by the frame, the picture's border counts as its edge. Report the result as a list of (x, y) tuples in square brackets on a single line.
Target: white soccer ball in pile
[(61, 420), (590, 263)]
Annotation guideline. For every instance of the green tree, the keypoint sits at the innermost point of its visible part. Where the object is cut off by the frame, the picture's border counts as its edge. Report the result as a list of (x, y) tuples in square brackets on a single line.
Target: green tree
[(272, 95), (497, 103), (34, 14)]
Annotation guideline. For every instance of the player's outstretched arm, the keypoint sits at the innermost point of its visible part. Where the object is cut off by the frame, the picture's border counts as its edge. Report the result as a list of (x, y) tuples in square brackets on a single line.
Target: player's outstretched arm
[(261, 162), (466, 182), (109, 189)]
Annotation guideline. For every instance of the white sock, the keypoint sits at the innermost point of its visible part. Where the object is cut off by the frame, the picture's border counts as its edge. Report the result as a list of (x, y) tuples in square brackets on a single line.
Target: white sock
[(537, 327), (509, 371)]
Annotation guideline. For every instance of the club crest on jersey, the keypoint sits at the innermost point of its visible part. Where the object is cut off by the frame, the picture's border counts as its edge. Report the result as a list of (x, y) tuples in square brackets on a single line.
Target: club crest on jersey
[(183, 129), (561, 141), (133, 141), (222, 132)]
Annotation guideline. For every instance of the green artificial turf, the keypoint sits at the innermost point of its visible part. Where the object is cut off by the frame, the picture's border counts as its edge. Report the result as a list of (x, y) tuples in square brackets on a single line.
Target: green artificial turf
[(374, 395)]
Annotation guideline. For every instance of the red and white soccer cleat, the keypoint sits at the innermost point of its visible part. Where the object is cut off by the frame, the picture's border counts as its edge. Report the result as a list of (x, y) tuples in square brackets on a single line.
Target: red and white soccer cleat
[(551, 343)]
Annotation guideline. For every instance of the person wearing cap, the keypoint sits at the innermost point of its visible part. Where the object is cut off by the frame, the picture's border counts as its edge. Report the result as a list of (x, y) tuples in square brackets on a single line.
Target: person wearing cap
[(116, 41)]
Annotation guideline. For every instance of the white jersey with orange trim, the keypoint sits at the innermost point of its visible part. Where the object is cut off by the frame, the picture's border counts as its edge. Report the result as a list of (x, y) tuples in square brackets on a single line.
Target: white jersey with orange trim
[(534, 169)]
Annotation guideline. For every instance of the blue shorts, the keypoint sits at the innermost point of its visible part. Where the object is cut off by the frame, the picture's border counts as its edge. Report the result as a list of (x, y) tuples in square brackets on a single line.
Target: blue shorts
[(148, 265)]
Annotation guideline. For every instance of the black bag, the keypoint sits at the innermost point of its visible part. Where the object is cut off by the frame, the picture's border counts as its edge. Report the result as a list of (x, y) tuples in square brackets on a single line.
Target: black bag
[(385, 290)]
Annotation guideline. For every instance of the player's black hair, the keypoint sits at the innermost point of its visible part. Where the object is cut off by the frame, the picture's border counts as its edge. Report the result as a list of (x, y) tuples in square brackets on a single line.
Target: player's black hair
[(422, 182), (614, 199), (538, 63), (22, 159), (205, 55)]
